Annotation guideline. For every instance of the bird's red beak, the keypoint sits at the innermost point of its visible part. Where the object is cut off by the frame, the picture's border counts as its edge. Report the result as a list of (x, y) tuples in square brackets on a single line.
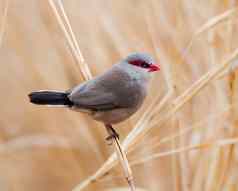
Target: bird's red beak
[(154, 67)]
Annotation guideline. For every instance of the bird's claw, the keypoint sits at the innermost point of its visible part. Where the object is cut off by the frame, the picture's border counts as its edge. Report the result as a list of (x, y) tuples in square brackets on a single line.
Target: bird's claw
[(112, 134), (110, 138)]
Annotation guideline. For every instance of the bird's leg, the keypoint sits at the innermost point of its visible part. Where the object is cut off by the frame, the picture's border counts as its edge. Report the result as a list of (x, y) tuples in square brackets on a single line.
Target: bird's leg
[(112, 132)]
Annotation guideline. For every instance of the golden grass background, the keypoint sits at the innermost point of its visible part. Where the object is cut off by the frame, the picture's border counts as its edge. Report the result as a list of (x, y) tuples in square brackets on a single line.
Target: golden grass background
[(56, 149)]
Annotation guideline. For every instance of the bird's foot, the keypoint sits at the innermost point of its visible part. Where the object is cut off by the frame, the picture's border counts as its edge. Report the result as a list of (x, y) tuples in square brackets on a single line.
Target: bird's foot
[(112, 134), (110, 138)]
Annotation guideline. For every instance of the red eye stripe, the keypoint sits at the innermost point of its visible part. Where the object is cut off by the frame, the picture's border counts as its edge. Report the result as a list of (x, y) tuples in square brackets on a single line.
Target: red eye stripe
[(136, 62), (140, 63)]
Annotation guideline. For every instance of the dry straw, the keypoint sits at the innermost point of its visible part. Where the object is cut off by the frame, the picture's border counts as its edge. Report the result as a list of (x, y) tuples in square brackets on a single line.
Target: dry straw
[(4, 20), (219, 143), (183, 132), (68, 32)]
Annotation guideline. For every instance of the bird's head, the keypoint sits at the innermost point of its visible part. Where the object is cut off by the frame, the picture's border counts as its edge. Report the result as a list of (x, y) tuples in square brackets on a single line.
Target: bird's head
[(143, 61)]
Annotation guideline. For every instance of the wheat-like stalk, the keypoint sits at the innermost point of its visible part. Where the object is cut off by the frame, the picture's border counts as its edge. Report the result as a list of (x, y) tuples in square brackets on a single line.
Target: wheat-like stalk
[(68, 32), (4, 20), (219, 143)]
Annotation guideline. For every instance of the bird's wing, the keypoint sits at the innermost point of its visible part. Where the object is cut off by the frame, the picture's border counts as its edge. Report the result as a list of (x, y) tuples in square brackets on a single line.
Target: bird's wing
[(114, 89), (93, 97)]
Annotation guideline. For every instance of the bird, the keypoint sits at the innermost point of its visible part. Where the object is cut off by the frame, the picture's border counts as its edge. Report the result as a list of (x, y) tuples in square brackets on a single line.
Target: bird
[(111, 97)]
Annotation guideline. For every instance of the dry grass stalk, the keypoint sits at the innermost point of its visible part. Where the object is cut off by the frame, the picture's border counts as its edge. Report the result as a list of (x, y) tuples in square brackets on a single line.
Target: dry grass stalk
[(196, 87), (68, 32), (216, 144), (215, 153), (137, 133), (170, 79), (4, 20), (125, 164), (187, 130), (123, 160), (209, 26), (216, 20)]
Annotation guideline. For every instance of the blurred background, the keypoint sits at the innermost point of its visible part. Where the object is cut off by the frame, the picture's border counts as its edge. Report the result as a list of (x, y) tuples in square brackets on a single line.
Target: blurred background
[(47, 149)]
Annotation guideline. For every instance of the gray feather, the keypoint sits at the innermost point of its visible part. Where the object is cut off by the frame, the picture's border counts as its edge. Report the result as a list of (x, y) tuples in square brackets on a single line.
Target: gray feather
[(111, 97), (117, 88)]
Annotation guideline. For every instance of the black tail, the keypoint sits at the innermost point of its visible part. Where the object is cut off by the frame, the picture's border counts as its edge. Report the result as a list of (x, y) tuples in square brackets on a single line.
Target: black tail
[(50, 98)]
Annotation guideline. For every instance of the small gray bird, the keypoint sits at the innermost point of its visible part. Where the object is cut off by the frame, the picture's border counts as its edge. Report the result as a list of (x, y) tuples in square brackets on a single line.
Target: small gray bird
[(111, 97)]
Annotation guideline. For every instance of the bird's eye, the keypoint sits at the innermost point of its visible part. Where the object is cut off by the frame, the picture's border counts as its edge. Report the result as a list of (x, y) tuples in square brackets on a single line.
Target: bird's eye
[(145, 65)]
